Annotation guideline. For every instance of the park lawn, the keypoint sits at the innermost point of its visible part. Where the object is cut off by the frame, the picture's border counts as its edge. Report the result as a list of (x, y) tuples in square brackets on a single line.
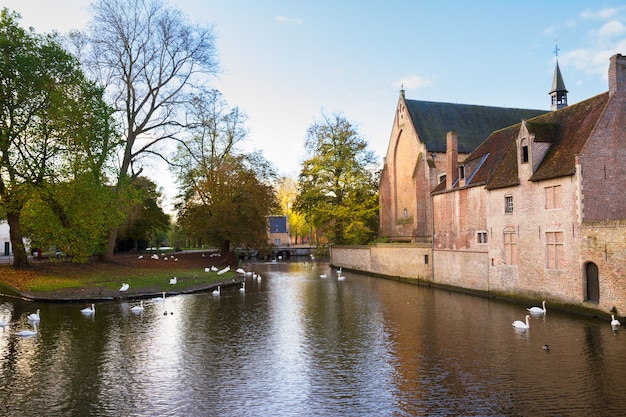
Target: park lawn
[(99, 279)]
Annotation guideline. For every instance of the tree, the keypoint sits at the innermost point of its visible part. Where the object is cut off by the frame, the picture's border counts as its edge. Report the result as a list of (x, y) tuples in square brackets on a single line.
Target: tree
[(54, 124), (287, 190), (226, 195), (149, 57), (338, 188), (145, 217)]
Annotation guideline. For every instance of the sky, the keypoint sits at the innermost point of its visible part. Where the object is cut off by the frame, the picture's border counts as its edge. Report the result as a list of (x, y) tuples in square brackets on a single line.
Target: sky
[(287, 63)]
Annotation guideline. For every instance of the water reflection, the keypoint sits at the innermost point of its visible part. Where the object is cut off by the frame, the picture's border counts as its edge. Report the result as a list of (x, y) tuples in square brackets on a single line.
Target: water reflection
[(298, 344)]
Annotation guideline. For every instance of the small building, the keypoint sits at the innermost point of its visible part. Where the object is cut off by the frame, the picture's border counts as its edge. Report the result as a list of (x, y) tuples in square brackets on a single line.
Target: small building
[(278, 231), (5, 239)]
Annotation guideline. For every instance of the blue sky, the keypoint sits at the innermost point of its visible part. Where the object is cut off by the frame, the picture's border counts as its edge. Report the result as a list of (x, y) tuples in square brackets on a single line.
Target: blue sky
[(284, 62)]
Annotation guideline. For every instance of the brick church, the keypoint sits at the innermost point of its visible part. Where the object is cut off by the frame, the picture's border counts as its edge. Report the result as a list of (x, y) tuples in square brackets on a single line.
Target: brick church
[(518, 202)]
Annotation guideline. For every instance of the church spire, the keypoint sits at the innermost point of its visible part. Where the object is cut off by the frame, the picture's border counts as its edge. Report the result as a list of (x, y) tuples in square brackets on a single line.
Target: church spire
[(558, 93)]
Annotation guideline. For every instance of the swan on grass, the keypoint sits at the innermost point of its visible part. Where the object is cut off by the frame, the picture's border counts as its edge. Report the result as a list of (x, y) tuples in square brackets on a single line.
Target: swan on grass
[(34, 316), (538, 310), (137, 309), (173, 281), (218, 291), (28, 333), (89, 310), (518, 324), (615, 322), (124, 287)]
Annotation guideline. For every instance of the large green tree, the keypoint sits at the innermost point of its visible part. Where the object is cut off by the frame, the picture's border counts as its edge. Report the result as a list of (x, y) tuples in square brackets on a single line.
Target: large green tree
[(150, 58), (226, 194), (145, 217), (54, 125), (338, 186)]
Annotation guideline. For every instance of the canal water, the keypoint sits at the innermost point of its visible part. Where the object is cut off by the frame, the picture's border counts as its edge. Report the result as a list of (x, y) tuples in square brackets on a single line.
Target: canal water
[(296, 344)]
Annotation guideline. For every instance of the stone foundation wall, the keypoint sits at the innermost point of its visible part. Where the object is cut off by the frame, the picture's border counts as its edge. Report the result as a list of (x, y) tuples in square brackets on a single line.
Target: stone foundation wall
[(402, 260)]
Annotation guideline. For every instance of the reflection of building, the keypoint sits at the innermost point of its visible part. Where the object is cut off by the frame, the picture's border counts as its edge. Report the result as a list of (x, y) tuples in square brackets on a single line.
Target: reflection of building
[(278, 232)]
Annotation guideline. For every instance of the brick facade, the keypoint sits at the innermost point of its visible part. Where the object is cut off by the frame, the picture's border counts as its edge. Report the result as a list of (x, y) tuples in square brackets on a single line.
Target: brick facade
[(537, 210)]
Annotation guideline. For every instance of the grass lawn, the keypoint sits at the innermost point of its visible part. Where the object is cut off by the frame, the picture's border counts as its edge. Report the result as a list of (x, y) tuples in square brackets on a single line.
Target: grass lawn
[(95, 279)]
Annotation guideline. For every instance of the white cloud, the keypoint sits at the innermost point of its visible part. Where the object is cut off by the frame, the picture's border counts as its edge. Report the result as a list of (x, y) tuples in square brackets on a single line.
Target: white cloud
[(602, 14), (415, 81), (283, 20), (610, 30)]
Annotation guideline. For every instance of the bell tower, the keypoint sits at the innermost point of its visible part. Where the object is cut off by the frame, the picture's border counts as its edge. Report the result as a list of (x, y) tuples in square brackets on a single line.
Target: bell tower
[(558, 93)]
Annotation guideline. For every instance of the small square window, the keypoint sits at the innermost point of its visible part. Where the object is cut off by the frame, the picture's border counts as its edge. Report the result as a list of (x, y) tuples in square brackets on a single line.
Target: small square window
[(508, 204), (481, 237)]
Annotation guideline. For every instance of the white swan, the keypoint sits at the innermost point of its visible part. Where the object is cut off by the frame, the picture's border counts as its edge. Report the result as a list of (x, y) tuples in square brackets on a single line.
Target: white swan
[(159, 299), (341, 277), (614, 321), (34, 316), (28, 333), (124, 287), (224, 270), (137, 309), (89, 310), (173, 281), (323, 276), (240, 271), (518, 324), (242, 289), (218, 291), (258, 277), (538, 310)]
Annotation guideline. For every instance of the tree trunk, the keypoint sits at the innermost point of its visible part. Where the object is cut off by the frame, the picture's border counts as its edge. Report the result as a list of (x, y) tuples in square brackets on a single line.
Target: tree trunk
[(20, 258), (107, 256), (225, 250)]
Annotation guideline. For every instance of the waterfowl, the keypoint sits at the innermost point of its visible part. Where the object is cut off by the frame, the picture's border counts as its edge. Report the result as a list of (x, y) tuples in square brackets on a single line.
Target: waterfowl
[(615, 322), (243, 287), (124, 287), (218, 291), (518, 324), (89, 310), (34, 316), (538, 310), (173, 281), (137, 309)]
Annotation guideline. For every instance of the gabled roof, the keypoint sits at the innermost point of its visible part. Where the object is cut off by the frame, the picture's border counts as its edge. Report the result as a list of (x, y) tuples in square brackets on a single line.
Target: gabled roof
[(567, 130), (472, 123)]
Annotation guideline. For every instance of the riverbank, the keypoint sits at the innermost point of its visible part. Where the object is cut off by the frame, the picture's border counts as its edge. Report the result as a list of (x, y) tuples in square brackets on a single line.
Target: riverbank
[(61, 281)]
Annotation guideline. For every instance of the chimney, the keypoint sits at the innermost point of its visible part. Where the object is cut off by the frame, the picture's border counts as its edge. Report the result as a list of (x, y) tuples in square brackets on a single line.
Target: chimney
[(452, 159), (617, 74)]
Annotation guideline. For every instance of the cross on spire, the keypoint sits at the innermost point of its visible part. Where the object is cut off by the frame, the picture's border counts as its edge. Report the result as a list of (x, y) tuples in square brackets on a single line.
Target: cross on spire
[(556, 50)]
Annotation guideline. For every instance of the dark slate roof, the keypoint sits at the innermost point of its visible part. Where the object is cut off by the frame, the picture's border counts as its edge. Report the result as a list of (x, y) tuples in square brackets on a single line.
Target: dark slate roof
[(472, 123), (557, 81)]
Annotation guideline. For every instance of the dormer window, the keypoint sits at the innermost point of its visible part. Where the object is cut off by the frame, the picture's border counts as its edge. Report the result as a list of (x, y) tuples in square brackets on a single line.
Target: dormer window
[(462, 172)]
